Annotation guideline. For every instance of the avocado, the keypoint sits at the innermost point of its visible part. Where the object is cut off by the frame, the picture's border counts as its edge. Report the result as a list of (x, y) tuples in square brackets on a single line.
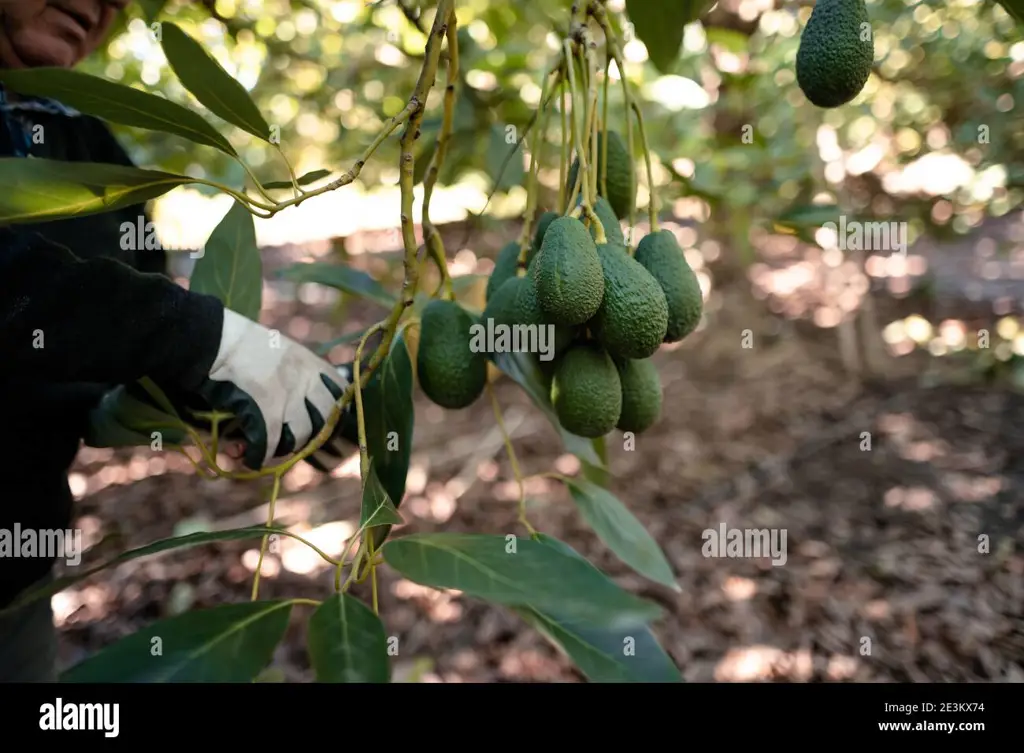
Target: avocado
[(501, 304), (659, 254), (568, 275), (621, 177), (586, 391), (516, 302), (451, 374), (547, 370), (633, 316), (641, 394), (504, 267), (834, 59), (610, 223), (527, 310), (542, 227)]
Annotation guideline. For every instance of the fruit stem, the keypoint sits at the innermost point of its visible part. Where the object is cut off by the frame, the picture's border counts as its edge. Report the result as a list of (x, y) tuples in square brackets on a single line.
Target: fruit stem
[(536, 158), (603, 161), (600, 15), (563, 165), (274, 491), (431, 237), (364, 455), (579, 143), (593, 123), (373, 588), (652, 207), (512, 460)]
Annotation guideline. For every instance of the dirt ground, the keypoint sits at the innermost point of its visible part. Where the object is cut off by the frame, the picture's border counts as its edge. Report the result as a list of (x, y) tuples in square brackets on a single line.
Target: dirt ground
[(884, 580)]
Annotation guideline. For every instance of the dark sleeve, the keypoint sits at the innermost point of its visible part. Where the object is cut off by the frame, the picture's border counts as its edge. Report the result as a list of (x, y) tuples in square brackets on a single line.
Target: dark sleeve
[(104, 147), (63, 319)]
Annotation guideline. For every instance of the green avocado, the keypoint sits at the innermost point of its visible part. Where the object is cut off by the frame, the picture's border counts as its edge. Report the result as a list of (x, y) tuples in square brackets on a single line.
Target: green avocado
[(505, 267), (586, 391), (515, 303), (527, 310), (659, 254), (450, 373), (610, 223), (542, 227), (641, 394), (501, 304), (568, 274), (836, 52), (621, 177), (633, 316)]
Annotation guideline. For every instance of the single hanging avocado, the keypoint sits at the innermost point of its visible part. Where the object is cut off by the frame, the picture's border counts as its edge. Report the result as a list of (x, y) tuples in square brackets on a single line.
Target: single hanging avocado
[(836, 52)]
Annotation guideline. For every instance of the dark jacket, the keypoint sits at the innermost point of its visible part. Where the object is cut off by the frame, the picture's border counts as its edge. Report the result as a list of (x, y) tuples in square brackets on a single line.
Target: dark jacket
[(103, 314)]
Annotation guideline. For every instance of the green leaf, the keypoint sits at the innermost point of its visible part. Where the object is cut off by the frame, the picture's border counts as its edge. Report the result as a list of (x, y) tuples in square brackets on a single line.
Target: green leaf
[(116, 103), (158, 396), (621, 532), (529, 573), (377, 508), (229, 643), (209, 83), (504, 160), (56, 190), (347, 643), (120, 420), (598, 474), (390, 416), (157, 547), (151, 9), (352, 281), (1014, 10), (630, 655), (524, 369), (305, 180), (659, 24), (231, 268)]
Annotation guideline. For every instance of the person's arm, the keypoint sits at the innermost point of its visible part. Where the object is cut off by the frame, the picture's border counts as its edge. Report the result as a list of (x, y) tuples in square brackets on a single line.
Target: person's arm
[(63, 319), (103, 146)]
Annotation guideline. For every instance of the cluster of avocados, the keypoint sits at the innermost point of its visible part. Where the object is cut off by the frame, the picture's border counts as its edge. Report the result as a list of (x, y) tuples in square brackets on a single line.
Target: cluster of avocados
[(610, 311)]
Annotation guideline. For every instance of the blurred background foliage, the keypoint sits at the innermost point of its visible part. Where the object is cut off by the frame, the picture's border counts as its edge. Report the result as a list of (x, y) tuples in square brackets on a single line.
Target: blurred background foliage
[(932, 140)]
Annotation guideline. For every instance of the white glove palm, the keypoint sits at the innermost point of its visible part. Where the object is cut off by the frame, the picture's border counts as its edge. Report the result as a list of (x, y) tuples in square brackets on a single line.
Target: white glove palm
[(282, 392)]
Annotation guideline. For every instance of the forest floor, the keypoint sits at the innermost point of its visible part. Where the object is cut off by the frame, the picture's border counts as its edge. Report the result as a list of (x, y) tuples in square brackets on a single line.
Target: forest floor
[(885, 578)]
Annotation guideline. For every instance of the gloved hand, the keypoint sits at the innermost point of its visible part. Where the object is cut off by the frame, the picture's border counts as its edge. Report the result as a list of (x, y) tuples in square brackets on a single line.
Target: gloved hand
[(281, 393)]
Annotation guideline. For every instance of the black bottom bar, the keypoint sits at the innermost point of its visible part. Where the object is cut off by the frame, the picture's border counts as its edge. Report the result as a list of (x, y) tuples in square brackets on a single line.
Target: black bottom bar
[(270, 713)]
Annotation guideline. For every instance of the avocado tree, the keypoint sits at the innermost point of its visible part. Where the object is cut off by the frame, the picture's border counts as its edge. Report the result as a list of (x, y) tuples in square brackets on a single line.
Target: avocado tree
[(607, 300)]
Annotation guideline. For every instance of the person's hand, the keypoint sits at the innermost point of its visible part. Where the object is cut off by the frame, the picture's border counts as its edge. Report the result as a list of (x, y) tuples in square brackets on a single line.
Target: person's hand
[(342, 442), (281, 393)]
